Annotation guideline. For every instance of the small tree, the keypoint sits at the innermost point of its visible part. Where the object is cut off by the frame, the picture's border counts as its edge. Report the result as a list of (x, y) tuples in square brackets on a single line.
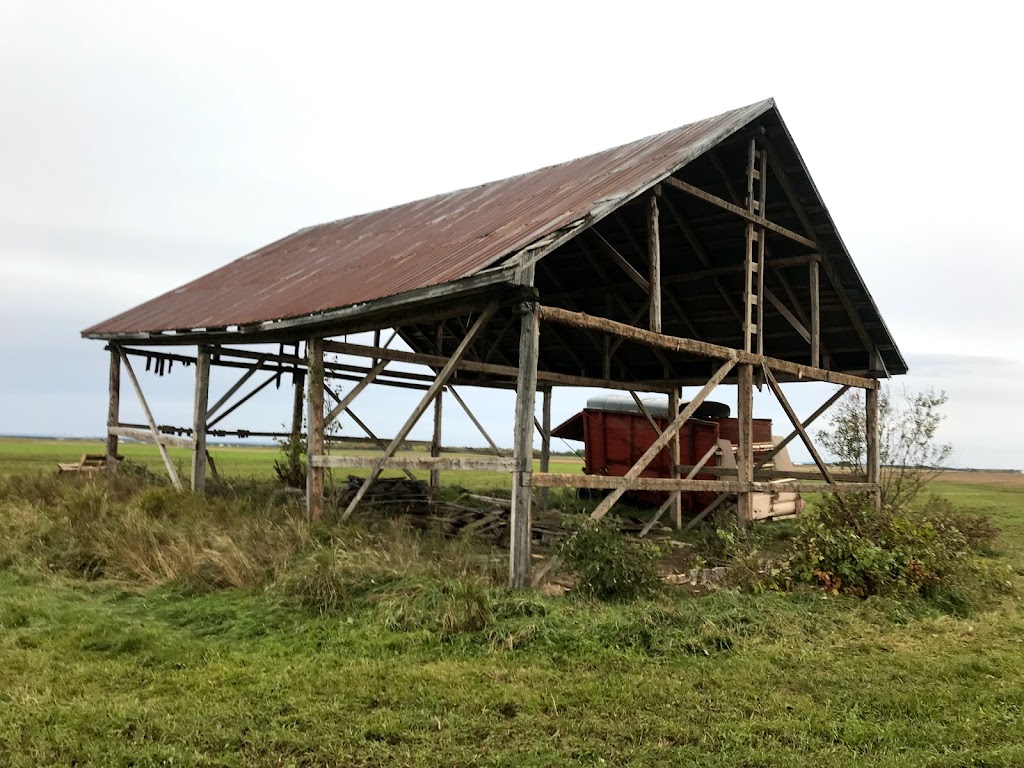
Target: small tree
[(910, 453)]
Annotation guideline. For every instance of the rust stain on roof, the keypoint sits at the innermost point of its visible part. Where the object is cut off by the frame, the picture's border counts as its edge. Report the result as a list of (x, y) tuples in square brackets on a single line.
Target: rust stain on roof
[(419, 244)]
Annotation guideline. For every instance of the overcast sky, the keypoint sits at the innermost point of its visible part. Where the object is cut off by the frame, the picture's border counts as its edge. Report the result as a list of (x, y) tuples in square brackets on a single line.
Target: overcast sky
[(144, 144)]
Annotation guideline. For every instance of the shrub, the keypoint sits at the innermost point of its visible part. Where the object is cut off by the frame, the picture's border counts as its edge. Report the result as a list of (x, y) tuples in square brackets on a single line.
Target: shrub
[(610, 566), (848, 546)]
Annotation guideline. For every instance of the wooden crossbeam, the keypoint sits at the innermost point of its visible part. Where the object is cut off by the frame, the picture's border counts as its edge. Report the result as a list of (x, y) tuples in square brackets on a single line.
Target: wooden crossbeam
[(432, 463), (146, 436), (620, 484), (353, 393), (805, 424), (244, 400), (480, 427), (690, 475), (175, 480), (620, 260), (808, 444), (235, 387), (442, 378)]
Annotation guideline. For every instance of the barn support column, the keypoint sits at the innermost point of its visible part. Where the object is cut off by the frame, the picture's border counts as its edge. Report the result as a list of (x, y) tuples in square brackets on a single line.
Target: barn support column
[(745, 443), (435, 442), (314, 427), (676, 500), (654, 261), (526, 394), (199, 415), (298, 402), (545, 444), (874, 464), (113, 407)]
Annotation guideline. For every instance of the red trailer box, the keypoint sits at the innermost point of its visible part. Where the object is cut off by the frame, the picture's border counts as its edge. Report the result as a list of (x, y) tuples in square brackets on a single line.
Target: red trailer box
[(616, 434)]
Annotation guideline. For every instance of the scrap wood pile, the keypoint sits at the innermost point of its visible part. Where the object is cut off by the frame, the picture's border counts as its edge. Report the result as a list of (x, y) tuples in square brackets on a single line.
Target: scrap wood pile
[(466, 513)]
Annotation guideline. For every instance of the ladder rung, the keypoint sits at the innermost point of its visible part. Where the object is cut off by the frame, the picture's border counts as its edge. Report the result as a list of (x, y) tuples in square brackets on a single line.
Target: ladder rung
[(756, 174)]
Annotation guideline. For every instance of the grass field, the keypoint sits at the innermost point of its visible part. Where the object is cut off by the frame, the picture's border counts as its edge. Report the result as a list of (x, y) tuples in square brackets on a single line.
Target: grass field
[(432, 670)]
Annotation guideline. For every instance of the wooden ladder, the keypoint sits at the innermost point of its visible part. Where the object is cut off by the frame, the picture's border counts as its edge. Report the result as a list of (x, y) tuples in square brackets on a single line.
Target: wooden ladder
[(753, 318)]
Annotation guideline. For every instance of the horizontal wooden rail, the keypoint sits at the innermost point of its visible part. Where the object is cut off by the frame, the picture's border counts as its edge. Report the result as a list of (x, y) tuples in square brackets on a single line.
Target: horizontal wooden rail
[(146, 436), (456, 463), (546, 480)]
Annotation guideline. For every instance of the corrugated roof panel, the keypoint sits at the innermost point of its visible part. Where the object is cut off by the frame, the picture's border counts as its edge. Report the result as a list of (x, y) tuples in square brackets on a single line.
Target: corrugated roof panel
[(419, 244)]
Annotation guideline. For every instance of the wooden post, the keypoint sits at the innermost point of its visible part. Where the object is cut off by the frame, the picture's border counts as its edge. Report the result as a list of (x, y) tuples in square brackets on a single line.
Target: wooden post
[(435, 443), (153, 429), (745, 452), (202, 395), (545, 443), (526, 393), (874, 464), (654, 262), (815, 316), (298, 401), (114, 407), (314, 427), (673, 451)]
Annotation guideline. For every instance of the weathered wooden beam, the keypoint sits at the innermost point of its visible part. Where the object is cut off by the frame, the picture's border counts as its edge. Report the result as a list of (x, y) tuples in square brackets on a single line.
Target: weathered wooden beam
[(654, 263), (808, 444), (234, 387), (435, 440), (353, 393), (805, 424), (719, 500), (255, 391), (873, 443), (757, 219), (621, 261), (698, 348), (522, 494), (146, 436), (442, 378), (677, 494), (476, 422), (815, 335), (783, 310), (745, 440), (671, 432), (199, 418), (545, 443), (113, 406), (171, 471), (314, 427), (776, 474), (622, 484), (432, 463), (298, 401), (676, 500)]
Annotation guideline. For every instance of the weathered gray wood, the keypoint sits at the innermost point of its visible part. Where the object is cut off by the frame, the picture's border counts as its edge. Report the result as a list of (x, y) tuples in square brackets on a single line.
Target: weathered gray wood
[(671, 433), (199, 416), (243, 400), (234, 387), (745, 441), (171, 471), (545, 443), (654, 263), (428, 397), (797, 425), (435, 440), (146, 436), (805, 424), (314, 427), (700, 348), (480, 427), (677, 494), (621, 261), (777, 474), (113, 407), (522, 494), (622, 484), (298, 401), (676, 499), (815, 315), (783, 310), (874, 463), (742, 213), (433, 463), (353, 393)]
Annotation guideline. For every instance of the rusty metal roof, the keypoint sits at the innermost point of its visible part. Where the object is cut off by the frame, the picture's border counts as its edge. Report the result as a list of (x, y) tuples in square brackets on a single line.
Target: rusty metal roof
[(419, 244)]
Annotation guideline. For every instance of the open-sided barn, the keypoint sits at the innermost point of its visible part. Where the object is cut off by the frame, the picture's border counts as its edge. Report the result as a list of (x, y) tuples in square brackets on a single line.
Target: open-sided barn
[(696, 257)]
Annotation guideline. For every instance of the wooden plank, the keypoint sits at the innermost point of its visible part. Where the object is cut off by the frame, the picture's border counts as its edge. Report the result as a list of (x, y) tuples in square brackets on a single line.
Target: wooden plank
[(435, 439), (677, 494), (745, 441), (353, 393), (146, 436), (113, 407), (694, 347), (741, 212), (255, 391), (676, 499), (805, 424), (298, 402), (545, 443), (199, 417), (622, 484), (815, 334), (428, 397), (432, 463), (520, 524), (783, 310), (670, 433), (234, 387), (654, 263), (480, 427), (808, 444), (874, 463), (314, 427), (620, 260), (175, 480)]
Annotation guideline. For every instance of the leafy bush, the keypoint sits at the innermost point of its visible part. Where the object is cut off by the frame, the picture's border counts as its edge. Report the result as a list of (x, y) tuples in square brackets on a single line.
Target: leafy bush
[(610, 566), (848, 546)]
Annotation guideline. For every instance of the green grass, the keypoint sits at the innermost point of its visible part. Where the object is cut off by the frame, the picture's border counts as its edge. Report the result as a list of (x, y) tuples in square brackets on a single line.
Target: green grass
[(421, 663)]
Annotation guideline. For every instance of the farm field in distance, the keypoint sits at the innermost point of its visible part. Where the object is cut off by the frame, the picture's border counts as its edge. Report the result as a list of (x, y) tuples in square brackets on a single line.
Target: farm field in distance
[(422, 671)]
